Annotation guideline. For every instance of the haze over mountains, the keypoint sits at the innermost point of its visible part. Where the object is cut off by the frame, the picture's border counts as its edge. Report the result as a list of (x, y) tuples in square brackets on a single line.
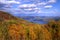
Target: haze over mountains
[(40, 19), (38, 14)]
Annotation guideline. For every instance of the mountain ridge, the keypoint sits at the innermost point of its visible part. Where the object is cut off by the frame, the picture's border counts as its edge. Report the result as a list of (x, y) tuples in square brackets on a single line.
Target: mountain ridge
[(20, 29)]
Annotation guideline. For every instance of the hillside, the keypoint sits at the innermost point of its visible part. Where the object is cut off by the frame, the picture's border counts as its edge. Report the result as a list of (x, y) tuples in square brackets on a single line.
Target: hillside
[(19, 29), (12, 28), (6, 16)]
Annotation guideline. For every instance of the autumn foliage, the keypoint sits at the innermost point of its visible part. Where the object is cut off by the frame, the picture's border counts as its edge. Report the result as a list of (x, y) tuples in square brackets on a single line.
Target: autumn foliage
[(18, 31), (12, 28)]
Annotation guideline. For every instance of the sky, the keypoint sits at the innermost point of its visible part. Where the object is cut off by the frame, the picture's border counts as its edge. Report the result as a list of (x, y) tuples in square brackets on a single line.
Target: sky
[(42, 7)]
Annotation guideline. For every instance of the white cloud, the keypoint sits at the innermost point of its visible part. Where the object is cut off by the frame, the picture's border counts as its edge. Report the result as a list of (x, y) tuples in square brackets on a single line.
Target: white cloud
[(48, 6), (42, 3), (15, 2), (27, 5), (52, 1), (9, 2), (29, 8)]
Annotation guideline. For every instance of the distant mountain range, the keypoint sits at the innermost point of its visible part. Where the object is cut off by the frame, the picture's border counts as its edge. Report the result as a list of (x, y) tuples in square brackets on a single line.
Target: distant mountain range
[(35, 18), (39, 19)]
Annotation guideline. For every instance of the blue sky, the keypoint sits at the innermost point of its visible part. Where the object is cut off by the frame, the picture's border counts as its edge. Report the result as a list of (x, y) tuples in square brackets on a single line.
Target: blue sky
[(43, 7)]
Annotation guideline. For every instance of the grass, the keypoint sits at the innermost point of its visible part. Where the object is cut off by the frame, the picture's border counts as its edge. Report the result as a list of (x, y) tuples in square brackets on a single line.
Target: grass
[(13, 30)]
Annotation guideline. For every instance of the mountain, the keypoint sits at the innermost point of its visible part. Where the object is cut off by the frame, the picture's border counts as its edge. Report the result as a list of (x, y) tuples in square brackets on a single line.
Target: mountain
[(40, 19), (6, 16), (13, 28)]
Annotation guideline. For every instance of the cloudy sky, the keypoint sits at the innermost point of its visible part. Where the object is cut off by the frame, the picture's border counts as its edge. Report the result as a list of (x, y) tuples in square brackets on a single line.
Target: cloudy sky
[(44, 7)]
